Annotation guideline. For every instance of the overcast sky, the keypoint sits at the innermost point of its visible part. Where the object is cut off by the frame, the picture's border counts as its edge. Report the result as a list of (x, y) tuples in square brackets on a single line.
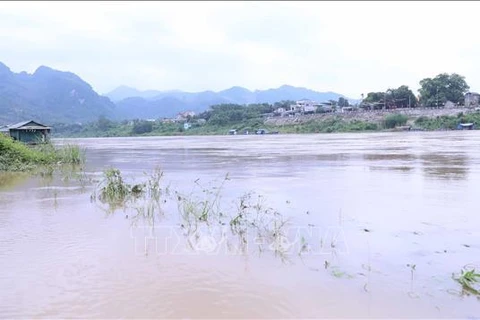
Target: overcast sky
[(347, 47)]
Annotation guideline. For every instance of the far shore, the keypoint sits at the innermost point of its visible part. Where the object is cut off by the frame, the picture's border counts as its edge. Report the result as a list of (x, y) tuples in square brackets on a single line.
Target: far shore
[(412, 119)]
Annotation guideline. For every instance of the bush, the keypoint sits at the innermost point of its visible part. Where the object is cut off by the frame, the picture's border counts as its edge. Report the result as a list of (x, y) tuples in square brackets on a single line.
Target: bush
[(371, 126), (394, 120), (421, 119), (142, 127), (16, 156)]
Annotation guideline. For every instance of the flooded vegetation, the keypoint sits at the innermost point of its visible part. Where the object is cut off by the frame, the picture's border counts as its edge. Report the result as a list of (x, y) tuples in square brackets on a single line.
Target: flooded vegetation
[(17, 156), (344, 225), (470, 281)]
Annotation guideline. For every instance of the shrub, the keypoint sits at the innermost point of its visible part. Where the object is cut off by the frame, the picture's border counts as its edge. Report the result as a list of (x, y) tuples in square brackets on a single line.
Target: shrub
[(16, 156), (142, 127), (421, 119), (393, 120)]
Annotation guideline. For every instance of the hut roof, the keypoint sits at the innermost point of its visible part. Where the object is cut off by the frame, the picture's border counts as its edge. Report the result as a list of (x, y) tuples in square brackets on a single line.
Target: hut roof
[(25, 125)]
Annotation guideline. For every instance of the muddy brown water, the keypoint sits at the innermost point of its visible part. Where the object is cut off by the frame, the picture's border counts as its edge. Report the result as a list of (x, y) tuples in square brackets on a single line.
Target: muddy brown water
[(390, 218)]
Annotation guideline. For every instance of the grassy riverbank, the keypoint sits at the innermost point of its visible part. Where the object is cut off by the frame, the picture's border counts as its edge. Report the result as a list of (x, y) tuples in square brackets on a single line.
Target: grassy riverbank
[(177, 129), (429, 120), (16, 156)]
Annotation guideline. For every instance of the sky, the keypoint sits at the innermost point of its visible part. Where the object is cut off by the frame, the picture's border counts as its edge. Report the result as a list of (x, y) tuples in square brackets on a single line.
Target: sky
[(346, 47)]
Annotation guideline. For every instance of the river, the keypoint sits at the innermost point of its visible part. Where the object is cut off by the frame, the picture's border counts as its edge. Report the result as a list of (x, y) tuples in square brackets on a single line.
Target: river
[(388, 217)]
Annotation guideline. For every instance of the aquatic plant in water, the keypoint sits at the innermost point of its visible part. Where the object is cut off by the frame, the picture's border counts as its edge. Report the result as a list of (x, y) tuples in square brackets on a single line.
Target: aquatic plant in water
[(114, 191), (470, 281), (202, 212), (247, 217), (118, 194)]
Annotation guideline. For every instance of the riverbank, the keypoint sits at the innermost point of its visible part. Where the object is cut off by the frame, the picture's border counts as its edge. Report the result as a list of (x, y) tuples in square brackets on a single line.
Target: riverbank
[(427, 119), (16, 156)]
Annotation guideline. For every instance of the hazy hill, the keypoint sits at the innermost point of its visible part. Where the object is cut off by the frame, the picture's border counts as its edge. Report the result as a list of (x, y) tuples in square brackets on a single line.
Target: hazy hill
[(49, 96), (154, 104), (124, 92), (52, 96)]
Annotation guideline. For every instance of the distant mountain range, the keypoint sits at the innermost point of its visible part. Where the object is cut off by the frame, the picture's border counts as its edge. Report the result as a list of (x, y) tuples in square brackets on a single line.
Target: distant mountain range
[(153, 104), (51, 96)]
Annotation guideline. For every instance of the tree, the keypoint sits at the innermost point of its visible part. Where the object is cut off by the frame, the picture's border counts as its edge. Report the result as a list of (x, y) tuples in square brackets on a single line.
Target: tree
[(342, 102), (283, 104), (140, 127), (373, 97), (103, 124), (444, 87), (333, 103), (402, 97)]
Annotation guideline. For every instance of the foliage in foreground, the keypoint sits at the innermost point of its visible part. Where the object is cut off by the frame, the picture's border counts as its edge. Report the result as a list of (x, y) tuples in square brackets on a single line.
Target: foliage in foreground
[(16, 156), (195, 212), (470, 281)]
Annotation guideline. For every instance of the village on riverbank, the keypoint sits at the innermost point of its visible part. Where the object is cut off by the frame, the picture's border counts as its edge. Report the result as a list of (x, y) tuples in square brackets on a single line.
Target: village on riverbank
[(444, 102)]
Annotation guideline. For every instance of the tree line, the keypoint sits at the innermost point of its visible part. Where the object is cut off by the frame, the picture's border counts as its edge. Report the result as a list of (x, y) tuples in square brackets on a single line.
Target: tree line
[(434, 92)]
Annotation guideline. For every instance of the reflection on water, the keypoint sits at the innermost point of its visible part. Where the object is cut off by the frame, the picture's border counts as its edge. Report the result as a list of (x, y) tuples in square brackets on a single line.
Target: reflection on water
[(447, 166), (11, 179), (389, 156), (377, 224)]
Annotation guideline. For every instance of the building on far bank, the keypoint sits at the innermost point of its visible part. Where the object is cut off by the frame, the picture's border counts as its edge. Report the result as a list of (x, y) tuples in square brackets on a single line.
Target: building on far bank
[(450, 105), (303, 106), (472, 100), (184, 116)]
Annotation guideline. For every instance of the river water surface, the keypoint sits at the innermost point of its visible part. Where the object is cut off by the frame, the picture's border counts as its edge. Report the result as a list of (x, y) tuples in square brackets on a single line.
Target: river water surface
[(396, 215)]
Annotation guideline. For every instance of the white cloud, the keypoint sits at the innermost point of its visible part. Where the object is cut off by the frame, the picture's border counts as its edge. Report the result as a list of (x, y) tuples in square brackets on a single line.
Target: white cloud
[(347, 47)]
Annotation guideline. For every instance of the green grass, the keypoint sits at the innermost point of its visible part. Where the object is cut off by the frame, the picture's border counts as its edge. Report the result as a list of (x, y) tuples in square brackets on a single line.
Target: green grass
[(17, 156), (334, 124), (71, 154), (116, 193), (447, 122), (470, 281)]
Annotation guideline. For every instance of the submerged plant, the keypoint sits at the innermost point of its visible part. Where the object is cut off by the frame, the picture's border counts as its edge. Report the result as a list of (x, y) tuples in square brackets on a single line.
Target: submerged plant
[(249, 216), (144, 198), (337, 273), (470, 281), (205, 209), (151, 194), (114, 191), (70, 153)]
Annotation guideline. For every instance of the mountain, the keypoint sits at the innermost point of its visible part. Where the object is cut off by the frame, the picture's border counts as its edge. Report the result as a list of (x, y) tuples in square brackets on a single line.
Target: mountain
[(137, 107), (124, 92), (169, 103), (49, 96), (239, 94)]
